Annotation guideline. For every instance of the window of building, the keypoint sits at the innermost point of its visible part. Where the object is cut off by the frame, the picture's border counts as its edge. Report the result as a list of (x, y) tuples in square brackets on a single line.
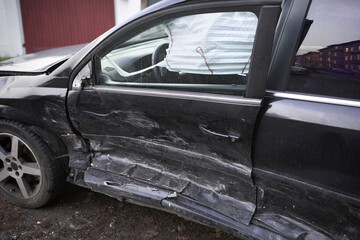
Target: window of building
[(335, 54), (330, 30), (147, 3), (151, 2)]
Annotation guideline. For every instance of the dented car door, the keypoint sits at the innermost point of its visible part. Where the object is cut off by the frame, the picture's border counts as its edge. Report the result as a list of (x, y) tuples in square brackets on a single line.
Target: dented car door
[(178, 138)]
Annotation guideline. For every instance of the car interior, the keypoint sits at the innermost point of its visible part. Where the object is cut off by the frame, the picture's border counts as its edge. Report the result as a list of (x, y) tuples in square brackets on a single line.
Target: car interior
[(153, 59)]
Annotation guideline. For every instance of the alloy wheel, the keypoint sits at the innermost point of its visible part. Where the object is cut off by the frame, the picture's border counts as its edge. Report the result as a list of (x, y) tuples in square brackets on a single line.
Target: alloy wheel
[(20, 173)]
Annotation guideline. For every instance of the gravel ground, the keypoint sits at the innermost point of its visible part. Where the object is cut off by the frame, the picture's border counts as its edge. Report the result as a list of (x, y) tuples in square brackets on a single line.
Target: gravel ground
[(82, 214)]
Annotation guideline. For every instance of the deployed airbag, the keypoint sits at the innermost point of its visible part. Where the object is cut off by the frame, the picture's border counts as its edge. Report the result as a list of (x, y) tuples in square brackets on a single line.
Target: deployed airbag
[(212, 43)]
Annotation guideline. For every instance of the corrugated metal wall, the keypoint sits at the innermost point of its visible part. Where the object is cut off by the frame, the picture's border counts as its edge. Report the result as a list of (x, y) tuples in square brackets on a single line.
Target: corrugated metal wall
[(56, 23)]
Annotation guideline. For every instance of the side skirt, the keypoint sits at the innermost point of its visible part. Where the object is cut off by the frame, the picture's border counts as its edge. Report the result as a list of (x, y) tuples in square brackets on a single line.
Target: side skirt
[(133, 191)]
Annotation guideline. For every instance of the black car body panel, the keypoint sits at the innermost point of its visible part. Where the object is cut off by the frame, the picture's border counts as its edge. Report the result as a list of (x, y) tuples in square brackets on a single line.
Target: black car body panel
[(159, 134), (35, 96), (266, 165), (315, 125), (324, 178)]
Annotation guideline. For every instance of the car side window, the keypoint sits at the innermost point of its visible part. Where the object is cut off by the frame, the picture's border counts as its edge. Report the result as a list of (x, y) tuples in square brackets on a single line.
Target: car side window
[(328, 60), (208, 52)]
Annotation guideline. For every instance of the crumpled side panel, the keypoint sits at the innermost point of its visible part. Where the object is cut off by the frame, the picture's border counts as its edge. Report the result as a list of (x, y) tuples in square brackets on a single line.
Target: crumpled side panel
[(219, 190)]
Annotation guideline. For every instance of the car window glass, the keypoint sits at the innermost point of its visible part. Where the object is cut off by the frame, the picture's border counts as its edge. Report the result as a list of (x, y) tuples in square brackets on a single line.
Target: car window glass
[(328, 60), (204, 52)]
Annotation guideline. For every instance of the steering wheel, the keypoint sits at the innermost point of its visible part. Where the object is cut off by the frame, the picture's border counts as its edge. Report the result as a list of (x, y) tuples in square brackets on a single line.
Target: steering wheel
[(104, 78), (160, 73)]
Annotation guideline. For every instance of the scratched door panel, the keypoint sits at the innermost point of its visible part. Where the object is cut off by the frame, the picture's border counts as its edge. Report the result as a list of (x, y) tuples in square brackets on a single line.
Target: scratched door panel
[(158, 140)]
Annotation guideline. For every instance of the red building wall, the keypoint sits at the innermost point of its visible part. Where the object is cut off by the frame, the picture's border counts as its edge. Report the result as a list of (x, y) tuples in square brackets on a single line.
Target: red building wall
[(55, 23), (345, 56)]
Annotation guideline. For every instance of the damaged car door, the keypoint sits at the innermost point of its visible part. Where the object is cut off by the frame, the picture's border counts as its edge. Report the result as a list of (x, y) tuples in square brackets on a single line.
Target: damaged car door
[(169, 105)]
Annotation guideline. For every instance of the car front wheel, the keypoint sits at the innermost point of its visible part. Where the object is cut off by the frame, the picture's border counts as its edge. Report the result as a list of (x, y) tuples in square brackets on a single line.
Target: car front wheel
[(29, 174)]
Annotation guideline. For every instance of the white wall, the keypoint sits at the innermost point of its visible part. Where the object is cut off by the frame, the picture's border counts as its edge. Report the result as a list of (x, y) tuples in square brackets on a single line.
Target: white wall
[(125, 9), (11, 30)]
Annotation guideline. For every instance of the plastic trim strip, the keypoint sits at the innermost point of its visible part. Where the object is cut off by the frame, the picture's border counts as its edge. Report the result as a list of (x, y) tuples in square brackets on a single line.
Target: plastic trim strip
[(206, 97), (310, 98)]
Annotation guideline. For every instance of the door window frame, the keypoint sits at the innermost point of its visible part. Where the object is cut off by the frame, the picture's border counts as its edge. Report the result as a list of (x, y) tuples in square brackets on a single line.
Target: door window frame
[(287, 39), (266, 11)]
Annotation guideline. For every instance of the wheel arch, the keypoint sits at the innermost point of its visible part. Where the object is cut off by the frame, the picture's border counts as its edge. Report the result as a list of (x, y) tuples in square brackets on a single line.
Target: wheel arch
[(55, 143)]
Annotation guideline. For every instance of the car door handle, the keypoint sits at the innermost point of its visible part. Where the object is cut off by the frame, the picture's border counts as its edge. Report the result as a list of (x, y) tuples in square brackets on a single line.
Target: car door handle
[(207, 131)]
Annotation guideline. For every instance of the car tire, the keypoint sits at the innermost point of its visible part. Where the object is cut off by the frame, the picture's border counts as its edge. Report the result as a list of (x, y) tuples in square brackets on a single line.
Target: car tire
[(29, 175)]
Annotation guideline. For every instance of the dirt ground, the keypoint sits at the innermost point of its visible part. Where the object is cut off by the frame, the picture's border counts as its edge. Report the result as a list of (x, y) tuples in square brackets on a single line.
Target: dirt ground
[(83, 214)]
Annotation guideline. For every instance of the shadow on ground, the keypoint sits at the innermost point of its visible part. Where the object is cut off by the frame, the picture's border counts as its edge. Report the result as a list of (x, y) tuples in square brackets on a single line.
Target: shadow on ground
[(82, 214)]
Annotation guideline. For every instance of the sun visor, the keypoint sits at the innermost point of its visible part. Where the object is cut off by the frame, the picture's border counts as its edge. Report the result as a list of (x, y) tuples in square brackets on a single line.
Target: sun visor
[(211, 44)]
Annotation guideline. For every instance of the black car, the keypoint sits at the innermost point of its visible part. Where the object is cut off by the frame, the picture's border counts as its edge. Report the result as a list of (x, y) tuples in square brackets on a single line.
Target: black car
[(194, 107)]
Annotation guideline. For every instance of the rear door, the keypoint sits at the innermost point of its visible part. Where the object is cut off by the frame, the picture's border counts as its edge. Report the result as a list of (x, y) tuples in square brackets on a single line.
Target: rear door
[(311, 117), (179, 132)]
